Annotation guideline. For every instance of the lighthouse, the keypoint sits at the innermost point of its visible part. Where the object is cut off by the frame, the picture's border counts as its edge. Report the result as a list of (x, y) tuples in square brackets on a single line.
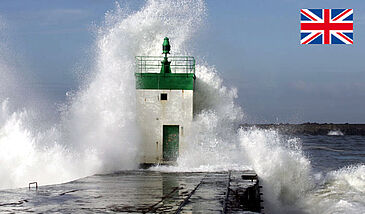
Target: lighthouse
[(164, 90)]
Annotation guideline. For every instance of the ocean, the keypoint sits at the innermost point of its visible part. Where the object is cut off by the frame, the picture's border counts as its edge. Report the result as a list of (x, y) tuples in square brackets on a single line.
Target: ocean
[(332, 152), (338, 163)]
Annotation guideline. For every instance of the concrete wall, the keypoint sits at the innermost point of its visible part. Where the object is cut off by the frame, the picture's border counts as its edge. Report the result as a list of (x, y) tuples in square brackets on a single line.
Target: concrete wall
[(153, 113)]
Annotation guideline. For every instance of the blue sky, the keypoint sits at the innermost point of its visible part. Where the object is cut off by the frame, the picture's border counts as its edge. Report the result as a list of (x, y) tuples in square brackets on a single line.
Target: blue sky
[(253, 44)]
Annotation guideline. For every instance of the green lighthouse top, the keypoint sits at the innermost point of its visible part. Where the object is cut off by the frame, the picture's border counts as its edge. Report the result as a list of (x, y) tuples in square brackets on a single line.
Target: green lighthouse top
[(157, 72), (165, 68), (166, 46)]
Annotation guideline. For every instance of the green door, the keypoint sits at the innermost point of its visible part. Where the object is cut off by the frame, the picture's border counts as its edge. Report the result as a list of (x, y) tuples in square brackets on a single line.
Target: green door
[(170, 143)]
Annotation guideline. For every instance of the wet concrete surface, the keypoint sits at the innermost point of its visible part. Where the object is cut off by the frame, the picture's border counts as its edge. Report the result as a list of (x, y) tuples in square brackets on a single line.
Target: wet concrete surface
[(139, 191)]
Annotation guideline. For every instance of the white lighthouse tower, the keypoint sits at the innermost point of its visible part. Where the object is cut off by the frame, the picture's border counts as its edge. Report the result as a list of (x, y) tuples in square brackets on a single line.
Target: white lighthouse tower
[(165, 92)]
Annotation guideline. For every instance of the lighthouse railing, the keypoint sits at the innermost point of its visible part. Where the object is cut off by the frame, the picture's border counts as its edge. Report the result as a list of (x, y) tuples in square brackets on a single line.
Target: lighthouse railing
[(152, 64)]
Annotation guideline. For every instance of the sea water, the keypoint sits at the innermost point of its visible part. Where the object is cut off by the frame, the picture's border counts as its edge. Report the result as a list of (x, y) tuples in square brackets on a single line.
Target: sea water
[(96, 131)]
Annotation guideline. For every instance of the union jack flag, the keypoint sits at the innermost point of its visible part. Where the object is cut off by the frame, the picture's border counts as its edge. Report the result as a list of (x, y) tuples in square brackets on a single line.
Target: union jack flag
[(326, 26)]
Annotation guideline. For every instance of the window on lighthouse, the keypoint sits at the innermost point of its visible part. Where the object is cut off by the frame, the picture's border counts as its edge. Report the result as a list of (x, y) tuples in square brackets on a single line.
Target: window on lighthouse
[(163, 96)]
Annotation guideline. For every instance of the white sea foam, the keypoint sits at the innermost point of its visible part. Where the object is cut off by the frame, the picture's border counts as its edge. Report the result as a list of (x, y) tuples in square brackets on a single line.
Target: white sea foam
[(28, 156), (340, 191), (335, 133)]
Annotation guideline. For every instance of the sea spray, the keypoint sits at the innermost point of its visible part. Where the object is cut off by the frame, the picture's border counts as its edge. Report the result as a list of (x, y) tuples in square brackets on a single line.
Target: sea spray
[(97, 131), (28, 156), (281, 165), (102, 115), (28, 151), (338, 191), (214, 127), (335, 133)]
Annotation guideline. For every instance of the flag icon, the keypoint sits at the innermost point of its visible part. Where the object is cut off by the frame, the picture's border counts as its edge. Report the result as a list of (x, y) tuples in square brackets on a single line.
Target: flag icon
[(326, 26)]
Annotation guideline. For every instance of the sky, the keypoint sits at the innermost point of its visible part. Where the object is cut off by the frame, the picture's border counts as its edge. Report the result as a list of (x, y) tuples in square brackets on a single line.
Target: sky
[(254, 44)]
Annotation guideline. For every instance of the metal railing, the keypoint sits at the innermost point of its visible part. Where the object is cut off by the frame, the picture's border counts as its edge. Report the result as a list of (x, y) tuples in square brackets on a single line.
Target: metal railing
[(36, 185), (152, 64)]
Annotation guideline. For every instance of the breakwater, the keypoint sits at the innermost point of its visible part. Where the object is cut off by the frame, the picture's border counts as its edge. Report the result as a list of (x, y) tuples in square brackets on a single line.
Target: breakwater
[(313, 128), (142, 191)]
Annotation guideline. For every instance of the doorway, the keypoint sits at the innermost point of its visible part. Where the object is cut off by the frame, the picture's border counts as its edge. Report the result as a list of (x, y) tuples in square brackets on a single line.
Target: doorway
[(170, 143)]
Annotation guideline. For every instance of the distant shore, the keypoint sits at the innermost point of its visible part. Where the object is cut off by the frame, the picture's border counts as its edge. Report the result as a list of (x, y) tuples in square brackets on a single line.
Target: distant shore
[(313, 128)]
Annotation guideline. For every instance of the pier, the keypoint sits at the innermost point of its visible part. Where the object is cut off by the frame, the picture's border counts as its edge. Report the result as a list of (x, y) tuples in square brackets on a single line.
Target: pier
[(142, 191)]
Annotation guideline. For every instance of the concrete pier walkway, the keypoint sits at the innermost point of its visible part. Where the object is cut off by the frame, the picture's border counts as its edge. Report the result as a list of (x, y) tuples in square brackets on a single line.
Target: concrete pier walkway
[(141, 191)]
